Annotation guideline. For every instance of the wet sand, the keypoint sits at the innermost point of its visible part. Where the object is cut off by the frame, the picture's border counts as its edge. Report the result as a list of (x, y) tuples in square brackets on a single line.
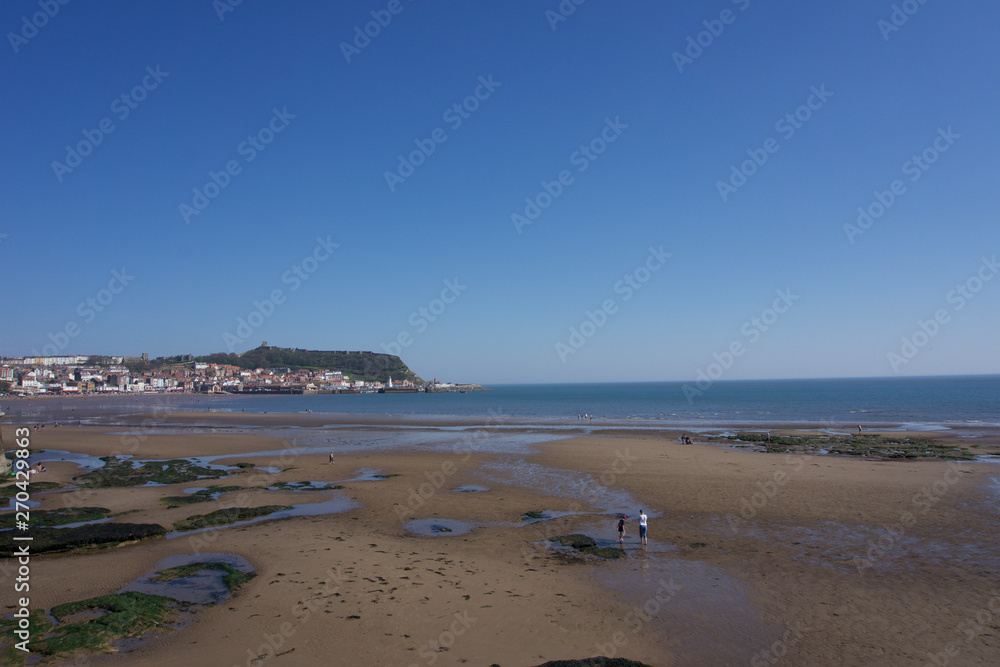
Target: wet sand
[(753, 558)]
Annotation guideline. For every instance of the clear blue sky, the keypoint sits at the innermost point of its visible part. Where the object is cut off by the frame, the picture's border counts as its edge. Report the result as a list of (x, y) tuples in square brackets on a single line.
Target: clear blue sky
[(211, 84)]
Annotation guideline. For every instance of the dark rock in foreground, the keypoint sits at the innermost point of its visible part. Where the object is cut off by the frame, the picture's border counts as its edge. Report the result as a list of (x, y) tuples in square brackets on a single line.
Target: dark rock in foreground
[(576, 540), (595, 662), (49, 540), (587, 545)]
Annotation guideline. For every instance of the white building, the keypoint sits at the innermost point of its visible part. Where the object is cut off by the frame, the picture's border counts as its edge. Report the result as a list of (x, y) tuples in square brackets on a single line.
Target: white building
[(52, 361)]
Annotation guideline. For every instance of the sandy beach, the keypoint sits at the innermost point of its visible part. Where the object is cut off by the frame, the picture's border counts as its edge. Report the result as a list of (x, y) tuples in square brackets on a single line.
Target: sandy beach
[(753, 558)]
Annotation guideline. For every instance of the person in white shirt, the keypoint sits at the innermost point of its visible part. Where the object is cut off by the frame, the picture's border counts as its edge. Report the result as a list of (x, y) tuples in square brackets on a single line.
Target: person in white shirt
[(642, 526)]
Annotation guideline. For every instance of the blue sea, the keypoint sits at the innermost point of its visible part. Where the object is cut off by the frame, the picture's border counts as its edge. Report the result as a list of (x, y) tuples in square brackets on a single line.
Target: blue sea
[(917, 402)]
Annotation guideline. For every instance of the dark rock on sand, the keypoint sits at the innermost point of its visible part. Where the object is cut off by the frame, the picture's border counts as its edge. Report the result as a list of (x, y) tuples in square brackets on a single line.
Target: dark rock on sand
[(595, 662)]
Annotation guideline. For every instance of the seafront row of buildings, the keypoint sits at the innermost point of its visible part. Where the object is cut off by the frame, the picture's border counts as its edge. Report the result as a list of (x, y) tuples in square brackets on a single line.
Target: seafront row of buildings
[(81, 375)]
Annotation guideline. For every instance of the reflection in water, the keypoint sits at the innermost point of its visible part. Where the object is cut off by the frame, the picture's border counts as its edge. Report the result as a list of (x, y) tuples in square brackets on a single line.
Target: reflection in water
[(366, 475), (682, 605), (334, 506), (201, 587), (564, 483), (439, 527)]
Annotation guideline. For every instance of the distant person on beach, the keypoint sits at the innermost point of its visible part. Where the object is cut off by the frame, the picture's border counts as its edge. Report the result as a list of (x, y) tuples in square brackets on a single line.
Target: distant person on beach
[(642, 527), (621, 531), (331, 457)]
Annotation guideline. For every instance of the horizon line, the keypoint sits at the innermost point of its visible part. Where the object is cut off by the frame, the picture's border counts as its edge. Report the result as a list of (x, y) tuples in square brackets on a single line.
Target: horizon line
[(795, 379)]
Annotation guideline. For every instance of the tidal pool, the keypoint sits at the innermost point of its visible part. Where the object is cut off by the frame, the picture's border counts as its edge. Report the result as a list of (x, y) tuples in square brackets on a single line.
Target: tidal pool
[(205, 585), (332, 506), (439, 527)]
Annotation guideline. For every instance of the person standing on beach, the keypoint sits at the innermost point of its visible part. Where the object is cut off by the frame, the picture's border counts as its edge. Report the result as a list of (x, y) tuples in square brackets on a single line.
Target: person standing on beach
[(642, 527), (621, 531), (331, 458)]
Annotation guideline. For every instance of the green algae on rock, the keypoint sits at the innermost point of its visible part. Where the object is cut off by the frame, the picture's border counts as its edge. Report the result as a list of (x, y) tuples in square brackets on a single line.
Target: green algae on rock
[(232, 577), (201, 496), (52, 540), (118, 472), (225, 517), (102, 621), (587, 545), (58, 517)]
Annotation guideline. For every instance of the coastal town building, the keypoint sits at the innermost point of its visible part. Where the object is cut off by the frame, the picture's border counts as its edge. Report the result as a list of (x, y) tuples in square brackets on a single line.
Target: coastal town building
[(81, 375)]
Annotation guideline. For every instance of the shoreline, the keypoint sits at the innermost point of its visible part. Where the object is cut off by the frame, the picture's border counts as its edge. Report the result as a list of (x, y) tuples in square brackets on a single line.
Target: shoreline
[(180, 407), (506, 409), (313, 430)]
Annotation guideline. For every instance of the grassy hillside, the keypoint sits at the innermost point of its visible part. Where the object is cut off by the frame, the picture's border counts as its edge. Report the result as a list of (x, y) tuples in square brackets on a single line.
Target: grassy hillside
[(368, 366)]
